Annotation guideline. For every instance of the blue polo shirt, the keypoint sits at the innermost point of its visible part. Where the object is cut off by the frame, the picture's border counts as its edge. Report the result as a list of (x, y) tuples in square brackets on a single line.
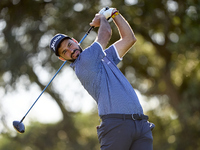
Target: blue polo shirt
[(97, 71)]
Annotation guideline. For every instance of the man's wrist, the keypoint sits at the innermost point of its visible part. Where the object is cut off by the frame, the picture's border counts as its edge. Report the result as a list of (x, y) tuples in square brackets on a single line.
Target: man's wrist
[(115, 13)]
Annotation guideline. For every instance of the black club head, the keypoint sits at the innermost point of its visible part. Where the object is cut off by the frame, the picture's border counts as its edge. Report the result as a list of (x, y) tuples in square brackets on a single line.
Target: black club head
[(19, 126)]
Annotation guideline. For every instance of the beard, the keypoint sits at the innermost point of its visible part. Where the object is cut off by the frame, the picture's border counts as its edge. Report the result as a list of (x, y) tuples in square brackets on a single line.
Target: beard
[(80, 50)]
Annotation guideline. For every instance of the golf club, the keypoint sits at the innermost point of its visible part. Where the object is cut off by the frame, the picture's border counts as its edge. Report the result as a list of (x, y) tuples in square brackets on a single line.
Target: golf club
[(18, 125)]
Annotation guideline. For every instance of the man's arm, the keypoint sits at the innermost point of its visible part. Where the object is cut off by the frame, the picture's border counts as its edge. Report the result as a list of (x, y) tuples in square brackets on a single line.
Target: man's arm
[(104, 31), (127, 37)]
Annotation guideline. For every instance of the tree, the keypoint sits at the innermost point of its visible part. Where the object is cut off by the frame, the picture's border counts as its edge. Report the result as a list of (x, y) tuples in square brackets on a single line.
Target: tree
[(166, 59), (164, 63), (26, 26)]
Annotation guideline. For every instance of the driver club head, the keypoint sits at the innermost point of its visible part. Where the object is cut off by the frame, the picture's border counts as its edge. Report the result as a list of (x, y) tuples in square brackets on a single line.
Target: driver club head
[(19, 126)]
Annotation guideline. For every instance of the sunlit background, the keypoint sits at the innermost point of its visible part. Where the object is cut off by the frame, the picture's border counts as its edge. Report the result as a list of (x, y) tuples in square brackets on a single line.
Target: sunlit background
[(17, 103), (163, 67)]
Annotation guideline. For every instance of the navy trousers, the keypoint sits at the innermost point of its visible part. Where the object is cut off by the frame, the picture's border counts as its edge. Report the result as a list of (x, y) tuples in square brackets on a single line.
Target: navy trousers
[(125, 134)]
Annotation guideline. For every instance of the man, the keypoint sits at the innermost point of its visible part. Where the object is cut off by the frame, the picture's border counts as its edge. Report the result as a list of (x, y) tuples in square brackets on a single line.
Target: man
[(124, 126)]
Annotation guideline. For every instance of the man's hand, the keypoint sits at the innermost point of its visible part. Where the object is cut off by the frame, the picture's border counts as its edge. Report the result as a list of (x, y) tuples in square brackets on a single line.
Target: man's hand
[(107, 12), (104, 31), (97, 19)]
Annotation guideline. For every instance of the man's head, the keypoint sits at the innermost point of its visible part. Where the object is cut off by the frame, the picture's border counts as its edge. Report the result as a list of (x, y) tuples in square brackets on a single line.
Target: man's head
[(65, 47)]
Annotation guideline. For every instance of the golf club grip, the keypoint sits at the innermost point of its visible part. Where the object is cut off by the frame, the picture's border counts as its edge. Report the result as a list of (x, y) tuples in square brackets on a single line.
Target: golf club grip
[(90, 29)]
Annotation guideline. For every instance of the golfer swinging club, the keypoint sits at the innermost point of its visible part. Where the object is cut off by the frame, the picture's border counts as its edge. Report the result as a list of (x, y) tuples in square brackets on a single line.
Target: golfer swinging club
[(123, 126)]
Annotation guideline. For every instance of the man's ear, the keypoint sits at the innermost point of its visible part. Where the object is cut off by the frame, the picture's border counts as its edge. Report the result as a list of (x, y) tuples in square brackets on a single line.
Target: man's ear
[(61, 58), (75, 40)]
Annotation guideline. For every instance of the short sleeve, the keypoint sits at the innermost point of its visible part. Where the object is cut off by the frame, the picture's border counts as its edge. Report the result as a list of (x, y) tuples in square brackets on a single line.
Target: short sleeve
[(112, 54)]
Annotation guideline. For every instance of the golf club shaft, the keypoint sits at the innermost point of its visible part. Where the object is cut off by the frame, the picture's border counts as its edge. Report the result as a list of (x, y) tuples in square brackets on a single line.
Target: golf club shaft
[(86, 34), (55, 75), (43, 90)]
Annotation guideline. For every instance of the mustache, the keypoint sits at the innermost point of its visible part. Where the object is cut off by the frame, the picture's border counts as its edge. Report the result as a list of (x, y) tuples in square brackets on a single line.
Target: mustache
[(78, 49), (74, 52)]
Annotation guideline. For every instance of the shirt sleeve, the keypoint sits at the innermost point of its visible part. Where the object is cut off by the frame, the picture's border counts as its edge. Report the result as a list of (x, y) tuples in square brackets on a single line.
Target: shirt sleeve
[(112, 54), (95, 51)]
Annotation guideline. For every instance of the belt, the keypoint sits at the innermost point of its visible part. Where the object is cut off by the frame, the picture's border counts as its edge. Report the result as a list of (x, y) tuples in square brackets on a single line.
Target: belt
[(126, 116)]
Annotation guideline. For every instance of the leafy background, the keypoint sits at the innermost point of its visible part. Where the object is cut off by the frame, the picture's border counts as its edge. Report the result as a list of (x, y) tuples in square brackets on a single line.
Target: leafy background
[(163, 66)]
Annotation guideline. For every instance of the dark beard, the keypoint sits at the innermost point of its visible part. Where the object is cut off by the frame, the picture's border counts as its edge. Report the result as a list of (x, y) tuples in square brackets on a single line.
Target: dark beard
[(80, 49)]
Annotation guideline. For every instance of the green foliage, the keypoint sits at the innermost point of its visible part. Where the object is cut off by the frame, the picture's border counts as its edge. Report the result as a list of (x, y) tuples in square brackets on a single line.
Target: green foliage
[(163, 63), (56, 136)]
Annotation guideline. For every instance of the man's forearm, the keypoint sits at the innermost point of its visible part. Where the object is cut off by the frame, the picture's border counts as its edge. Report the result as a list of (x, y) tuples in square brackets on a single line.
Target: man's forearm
[(104, 32), (124, 28), (127, 37)]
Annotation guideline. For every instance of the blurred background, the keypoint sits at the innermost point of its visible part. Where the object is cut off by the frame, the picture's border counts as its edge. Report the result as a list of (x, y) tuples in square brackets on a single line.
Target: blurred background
[(163, 67)]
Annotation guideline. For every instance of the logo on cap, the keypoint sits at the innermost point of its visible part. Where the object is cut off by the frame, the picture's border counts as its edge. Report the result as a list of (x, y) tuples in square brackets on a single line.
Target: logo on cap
[(54, 42)]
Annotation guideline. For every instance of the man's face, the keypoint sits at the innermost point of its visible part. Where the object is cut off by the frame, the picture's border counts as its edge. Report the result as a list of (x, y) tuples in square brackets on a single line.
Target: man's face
[(69, 50)]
